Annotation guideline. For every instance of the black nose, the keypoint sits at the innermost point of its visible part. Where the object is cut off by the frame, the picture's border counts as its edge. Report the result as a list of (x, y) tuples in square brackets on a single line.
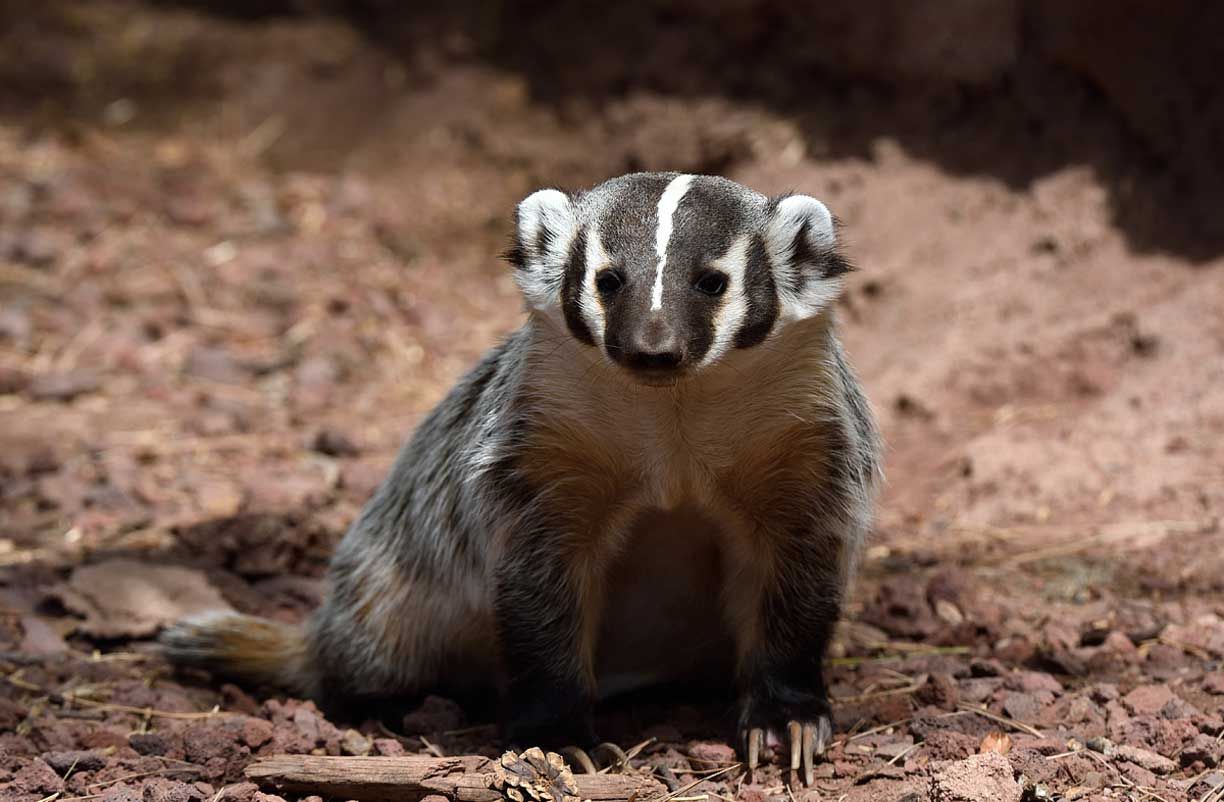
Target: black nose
[(662, 360), (655, 347)]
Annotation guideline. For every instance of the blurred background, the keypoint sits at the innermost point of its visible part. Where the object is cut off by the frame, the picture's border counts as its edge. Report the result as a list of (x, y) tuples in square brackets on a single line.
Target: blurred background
[(245, 246)]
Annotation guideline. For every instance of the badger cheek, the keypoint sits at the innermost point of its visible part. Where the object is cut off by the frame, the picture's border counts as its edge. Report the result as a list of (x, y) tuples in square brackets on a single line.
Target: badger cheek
[(699, 330)]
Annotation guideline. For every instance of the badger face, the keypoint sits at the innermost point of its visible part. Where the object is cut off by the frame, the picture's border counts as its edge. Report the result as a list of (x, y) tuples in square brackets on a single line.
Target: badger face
[(666, 273)]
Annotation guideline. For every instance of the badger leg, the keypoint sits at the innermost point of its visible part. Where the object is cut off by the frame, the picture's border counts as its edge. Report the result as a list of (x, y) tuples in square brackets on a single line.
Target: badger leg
[(547, 604), (791, 594)]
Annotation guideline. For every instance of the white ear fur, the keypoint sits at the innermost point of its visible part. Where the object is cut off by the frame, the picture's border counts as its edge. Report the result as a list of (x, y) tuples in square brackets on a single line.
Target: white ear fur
[(546, 225), (802, 246)]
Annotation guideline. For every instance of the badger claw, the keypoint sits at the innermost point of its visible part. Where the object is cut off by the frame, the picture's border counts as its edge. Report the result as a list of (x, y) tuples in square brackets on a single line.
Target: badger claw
[(815, 738), (807, 738), (756, 742), (611, 758), (795, 732), (615, 759), (576, 755)]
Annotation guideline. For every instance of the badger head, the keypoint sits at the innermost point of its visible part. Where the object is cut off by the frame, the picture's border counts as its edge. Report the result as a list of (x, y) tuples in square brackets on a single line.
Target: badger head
[(668, 273)]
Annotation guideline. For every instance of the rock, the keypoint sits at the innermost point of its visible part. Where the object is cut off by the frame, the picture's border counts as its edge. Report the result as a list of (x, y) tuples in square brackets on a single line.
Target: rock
[(40, 637), (1137, 774), (1214, 683), (123, 793), (15, 323), (1114, 653), (1203, 749), (711, 753), (39, 247), (1205, 633), (1147, 700), (1024, 706), (216, 365), (354, 743), (1213, 781), (1144, 758), (62, 386), (388, 747), (256, 732), (949, 745), (987, 777), (316, 729), (239, 792), (206, 740), (334, 443), (13, 380), (190, 210), (81, 760), (1160, 735), (236, 699), (161, 789), (940, 690), (1104, 692), (986, 667), (219, 498), (1036, 767), (1033, 681), (978, 689), (148, 743), (894, 749), (35, 778)]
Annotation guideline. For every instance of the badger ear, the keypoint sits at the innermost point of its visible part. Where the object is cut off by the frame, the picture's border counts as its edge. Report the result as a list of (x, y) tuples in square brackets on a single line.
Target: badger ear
[(801, 240), (545, 225)]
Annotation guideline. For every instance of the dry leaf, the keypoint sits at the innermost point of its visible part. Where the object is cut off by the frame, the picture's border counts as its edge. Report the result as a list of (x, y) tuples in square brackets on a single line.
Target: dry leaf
[(127, 598), (996, 741)]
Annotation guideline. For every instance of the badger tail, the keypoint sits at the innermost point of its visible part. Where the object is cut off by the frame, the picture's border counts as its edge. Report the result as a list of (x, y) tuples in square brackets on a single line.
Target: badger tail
[(249, 650)]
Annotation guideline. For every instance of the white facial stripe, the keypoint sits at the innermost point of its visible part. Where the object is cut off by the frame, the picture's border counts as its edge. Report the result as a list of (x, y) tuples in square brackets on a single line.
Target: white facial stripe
[(668, 204), (592, 311), (734, 307)]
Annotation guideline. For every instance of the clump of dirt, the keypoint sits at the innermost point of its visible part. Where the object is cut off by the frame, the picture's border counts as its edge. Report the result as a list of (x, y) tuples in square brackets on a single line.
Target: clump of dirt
[(224, 302)]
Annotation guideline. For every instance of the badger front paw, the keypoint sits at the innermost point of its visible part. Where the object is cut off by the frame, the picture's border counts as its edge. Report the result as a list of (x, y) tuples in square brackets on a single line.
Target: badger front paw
[(805, 725)]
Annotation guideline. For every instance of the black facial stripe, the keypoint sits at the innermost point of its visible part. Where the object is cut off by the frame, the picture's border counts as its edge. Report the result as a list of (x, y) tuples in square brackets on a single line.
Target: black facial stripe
[(623, 313), (762, 296), (571, 290), (700, 314)]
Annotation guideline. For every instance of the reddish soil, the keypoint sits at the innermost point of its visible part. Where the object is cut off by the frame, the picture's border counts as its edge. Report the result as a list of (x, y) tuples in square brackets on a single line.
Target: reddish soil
[(239, 260)]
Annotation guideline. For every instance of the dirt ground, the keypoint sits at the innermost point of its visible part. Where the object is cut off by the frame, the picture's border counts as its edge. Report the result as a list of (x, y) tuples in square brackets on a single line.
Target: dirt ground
[(240, 260)]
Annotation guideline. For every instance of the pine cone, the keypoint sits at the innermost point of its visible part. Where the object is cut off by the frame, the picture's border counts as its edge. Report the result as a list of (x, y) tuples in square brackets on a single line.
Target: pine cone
[(535, 777)]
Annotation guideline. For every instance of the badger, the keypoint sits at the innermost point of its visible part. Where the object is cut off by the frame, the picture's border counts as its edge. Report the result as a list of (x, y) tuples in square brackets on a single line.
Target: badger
[(669, 466)]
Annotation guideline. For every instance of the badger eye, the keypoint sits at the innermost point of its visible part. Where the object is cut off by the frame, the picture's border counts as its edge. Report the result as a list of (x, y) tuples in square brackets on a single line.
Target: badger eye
[(608, 282), (711, 283)]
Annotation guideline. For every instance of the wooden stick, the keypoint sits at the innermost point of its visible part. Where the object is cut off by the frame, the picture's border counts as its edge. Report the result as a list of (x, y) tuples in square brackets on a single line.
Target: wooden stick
[(407, 779)]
